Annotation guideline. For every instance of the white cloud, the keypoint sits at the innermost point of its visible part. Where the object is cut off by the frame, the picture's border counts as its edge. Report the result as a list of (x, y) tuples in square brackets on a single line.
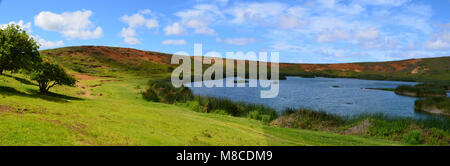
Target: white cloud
[(439, 41), (138, 19), (174, 29), (199, 19), (383, 2), (49, 44), (328, 51), (290, 22), (135, 21), (334, 35), (174, 42), (237, 41), (74, 25), (437, 45), (129, 35), (256, 13), (367, 34)]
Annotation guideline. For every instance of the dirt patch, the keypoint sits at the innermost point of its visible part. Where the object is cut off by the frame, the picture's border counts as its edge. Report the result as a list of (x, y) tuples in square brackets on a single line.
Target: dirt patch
[(78, 127), (103, 81), (4, 108), (434, 110), (84, 77), (359, 129), (85, 92), (284, 122)]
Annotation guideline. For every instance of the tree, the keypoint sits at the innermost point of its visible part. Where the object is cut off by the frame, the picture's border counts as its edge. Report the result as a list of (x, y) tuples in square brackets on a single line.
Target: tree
[(17, 49), (49, 75)]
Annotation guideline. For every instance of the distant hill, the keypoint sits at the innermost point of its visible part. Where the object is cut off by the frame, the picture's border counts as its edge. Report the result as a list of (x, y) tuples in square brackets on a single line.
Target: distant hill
[(100, 59)]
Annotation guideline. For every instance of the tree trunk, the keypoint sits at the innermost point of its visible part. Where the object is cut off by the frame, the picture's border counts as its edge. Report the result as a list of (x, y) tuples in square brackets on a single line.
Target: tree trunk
[(43, 88), (1, 71)]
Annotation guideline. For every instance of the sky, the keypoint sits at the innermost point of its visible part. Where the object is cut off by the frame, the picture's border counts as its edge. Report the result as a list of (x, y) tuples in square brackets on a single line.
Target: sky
[(302, 31)]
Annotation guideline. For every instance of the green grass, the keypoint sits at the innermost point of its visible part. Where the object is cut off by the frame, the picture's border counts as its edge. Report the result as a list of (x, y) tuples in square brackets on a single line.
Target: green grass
[(442, 104), (430, 131), (421, 90), (121, 117), (115, 113)]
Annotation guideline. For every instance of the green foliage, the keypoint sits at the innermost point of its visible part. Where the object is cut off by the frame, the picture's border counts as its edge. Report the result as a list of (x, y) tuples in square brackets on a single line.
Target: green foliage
[(163, 91), (228, 107), (435, 136), (413, 137), (49, 75), (308, 119), (422, 90), (430, 131), (441, 103), (150, 95), (390, 129), (17, 49)]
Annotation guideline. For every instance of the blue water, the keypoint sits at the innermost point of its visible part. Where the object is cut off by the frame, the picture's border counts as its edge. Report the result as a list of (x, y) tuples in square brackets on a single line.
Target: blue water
[(349, 99)]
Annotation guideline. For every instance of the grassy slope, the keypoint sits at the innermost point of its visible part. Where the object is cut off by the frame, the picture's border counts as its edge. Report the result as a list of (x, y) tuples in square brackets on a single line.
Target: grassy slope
[(114, 113), (120, 117)]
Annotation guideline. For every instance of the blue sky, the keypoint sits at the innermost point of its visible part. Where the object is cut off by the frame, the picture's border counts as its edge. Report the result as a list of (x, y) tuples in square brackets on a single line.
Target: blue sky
[(303, 31)]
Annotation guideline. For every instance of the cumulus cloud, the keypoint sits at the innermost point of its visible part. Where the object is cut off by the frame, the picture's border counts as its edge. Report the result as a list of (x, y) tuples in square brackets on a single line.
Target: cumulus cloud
[(174, 42), (237, 41), (48, 44), (440, 40), (74, 25), (383, 2), (198, 18), (367, 34), (328, 51), (290, 22), (437, 45), (256, 13), (174, 29), (135, 21), (332, 36)]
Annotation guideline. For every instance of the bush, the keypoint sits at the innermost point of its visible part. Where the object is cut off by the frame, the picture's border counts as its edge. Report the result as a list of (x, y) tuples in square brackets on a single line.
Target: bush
[(422, 90), (49, 75), (150, 95), (308, 119), (435, 137), (164, 91), (413, 137), (442, 103)]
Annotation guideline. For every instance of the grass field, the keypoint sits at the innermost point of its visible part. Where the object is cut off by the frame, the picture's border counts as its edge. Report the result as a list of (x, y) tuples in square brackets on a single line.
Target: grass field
[(115, 114), (107, 107)]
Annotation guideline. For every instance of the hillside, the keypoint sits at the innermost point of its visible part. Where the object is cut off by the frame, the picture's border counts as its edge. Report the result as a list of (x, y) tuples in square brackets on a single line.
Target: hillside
[(106, 108), (91, 58)]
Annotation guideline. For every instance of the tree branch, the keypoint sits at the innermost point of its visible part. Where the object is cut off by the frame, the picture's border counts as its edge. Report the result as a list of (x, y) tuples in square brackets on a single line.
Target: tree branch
[(54, 83)]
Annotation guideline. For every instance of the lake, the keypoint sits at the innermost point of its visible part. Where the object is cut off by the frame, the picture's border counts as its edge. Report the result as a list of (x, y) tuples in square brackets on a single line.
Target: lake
[(341, 96)]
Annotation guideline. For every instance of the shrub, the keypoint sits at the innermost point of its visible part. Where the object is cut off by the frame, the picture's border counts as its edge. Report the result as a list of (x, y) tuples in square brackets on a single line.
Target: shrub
[(422, 90), (413, 137), (441, 103), (164, 91), (150, 95), (435, 137), (308, 119), (49, 75)]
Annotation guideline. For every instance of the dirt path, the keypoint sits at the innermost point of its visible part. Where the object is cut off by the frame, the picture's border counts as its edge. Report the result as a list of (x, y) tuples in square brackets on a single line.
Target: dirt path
[(86, 93)]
